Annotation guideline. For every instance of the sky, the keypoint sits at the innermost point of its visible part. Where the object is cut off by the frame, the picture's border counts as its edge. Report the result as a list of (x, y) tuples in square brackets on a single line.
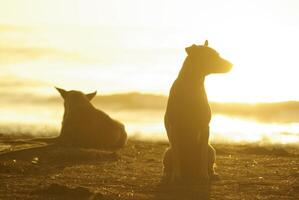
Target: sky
[(115, 44)]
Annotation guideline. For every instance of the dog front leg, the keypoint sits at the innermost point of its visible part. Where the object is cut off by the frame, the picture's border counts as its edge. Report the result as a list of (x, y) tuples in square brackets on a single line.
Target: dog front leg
[(204, 161), (172, 157), (176, 168)]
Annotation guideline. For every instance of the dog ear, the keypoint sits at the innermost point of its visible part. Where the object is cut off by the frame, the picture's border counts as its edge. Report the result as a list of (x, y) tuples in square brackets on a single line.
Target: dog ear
[(62, 92), (190, 49), (90, 96), (206, 43)]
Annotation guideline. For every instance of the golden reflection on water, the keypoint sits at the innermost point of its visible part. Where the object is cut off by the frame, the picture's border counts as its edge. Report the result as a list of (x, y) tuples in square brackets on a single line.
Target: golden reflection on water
[(238, 130), (148, 125)]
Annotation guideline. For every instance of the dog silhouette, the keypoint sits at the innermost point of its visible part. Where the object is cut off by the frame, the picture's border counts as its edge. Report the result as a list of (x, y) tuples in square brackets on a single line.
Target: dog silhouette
[(190, 157), (85, 126)]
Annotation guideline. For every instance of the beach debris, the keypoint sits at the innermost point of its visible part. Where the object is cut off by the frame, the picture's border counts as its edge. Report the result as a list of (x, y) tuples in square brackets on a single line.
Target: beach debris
[(130, 193), (254, 163), (34, 160)]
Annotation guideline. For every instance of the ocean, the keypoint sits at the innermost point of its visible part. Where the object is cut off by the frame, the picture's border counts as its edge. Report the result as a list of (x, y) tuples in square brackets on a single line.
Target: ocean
[(143, 114)]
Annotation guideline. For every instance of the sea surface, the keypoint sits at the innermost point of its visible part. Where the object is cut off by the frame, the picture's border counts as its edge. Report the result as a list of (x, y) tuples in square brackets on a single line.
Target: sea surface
[(143, 114)]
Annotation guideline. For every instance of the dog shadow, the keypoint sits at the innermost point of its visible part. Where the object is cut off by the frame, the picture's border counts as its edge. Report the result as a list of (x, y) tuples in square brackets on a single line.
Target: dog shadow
[(185, 192), (51, 158)]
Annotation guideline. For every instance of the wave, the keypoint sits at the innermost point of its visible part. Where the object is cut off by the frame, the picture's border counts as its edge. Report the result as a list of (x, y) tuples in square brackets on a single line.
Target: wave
[(281, 112)]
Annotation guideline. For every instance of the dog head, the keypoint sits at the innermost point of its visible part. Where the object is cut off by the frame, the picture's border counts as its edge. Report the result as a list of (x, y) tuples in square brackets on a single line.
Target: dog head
[(207, 60), (75, 100)]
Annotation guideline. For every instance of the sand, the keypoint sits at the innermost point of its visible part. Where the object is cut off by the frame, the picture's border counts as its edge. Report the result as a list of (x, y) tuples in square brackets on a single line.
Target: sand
[(33, 170)]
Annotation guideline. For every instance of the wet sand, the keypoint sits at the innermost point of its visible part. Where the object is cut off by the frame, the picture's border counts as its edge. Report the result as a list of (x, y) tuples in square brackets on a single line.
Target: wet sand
[(33, 170)]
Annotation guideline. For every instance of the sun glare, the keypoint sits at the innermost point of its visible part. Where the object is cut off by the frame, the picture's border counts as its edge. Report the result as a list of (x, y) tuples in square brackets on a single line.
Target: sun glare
[(114, 32), (139, 46)]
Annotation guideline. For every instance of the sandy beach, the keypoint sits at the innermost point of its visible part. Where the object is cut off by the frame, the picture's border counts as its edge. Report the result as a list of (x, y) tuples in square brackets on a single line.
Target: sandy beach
[(33, 170)]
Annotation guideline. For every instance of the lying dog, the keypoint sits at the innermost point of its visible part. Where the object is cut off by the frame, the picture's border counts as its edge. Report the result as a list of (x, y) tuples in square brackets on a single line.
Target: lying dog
[(190, 157), (85, 126)]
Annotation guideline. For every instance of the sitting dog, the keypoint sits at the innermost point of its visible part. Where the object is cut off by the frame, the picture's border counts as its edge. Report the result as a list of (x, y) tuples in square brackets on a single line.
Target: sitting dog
[(190, 158), (85, 126)]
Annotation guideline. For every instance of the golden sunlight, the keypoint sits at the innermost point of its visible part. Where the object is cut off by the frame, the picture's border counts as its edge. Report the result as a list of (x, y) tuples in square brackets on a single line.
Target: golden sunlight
[(141, 99), (263, 56)]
